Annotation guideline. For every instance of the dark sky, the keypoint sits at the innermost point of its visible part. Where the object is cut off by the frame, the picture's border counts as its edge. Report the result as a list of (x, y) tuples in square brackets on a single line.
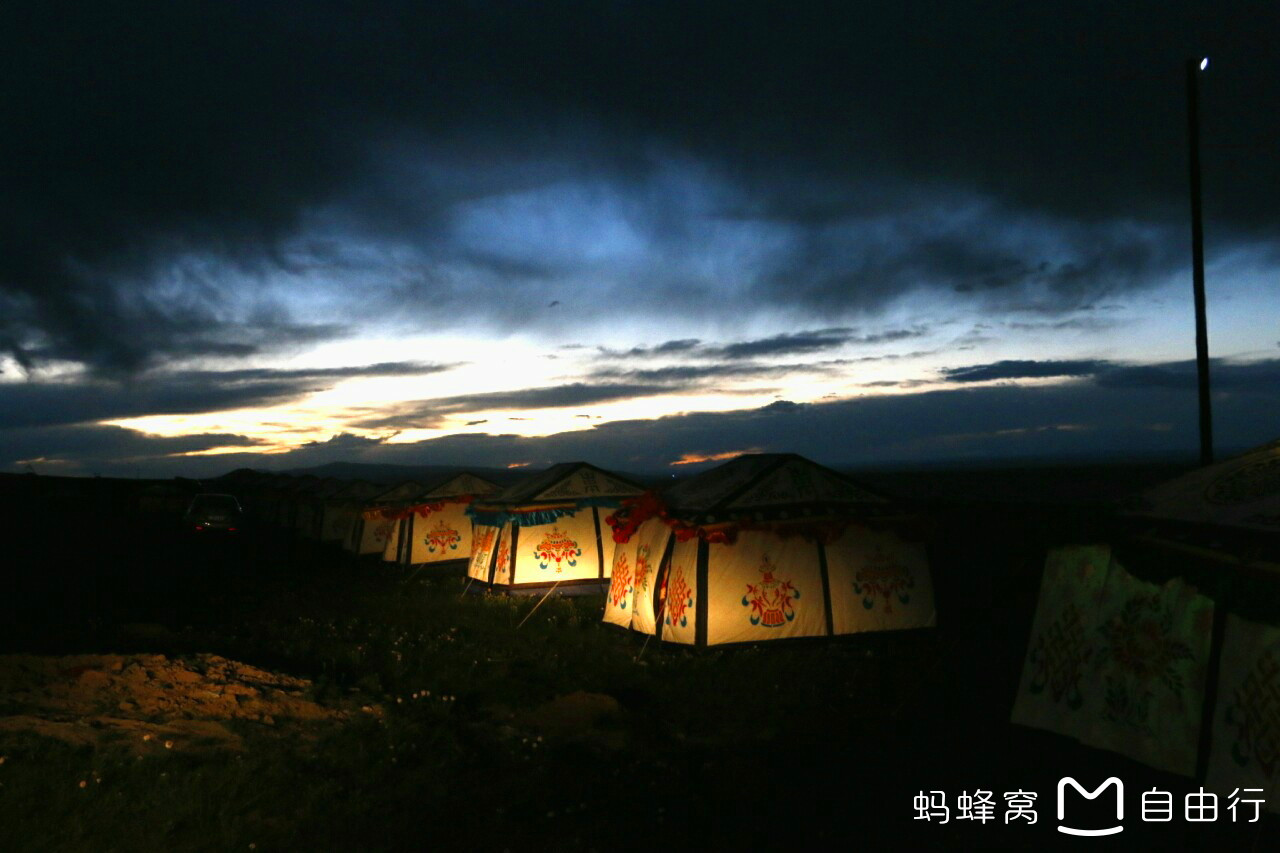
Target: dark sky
[(630, 232)]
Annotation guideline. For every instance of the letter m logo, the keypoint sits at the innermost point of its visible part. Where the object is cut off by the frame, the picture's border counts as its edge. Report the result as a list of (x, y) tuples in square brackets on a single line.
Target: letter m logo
[(1090, 795)]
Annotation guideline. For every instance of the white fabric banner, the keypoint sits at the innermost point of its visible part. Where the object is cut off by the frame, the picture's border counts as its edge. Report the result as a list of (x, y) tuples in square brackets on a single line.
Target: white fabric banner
[(502, 563), (1116, 662), (764, 587), (374, 536), (680, 605), (1245, 751), (563, 550), (635, 563), (445, 534), (390, 549), (879, 582), (482, 545)]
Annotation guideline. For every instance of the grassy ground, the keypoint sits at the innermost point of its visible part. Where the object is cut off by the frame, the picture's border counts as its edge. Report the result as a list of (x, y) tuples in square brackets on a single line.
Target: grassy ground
[(555, 732)]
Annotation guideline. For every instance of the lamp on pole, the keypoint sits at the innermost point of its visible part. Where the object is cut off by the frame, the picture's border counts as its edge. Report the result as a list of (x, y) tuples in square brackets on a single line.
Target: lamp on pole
[(1194, 67)]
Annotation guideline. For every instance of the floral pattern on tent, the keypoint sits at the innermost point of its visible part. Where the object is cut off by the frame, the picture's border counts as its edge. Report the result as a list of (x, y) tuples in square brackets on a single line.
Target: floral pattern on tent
[(883, 576), (1116, 662), (1245, 750), (679, 598)]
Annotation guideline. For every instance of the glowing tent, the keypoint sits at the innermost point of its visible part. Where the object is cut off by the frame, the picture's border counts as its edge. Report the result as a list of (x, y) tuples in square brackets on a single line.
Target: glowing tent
[(1164, 644), (434, 527), (548, 530), (765, 547), (372, 530)]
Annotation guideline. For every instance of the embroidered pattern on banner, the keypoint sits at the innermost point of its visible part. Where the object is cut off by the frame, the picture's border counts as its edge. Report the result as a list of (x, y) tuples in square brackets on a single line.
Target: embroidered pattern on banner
[(1059, 656), (559, 548), (679, 598), (382, 532), (641, 581), (441, 538), (1138, 641), (772, 601), (1254, 712), (620, 586), (503, 566), (884, 576), (483, 543)]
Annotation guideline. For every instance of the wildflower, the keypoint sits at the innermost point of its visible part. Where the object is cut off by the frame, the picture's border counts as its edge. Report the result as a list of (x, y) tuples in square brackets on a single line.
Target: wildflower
[(146, 737), (3, 758), (168, 744), (83, 784)]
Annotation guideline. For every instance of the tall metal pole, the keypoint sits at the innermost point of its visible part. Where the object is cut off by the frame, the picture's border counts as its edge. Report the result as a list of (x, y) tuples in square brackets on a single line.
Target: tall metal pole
[(1194, 67)]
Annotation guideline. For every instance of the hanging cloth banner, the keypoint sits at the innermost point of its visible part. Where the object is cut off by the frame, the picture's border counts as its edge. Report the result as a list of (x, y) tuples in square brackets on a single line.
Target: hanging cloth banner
[(1246, 722), (1117, 662)]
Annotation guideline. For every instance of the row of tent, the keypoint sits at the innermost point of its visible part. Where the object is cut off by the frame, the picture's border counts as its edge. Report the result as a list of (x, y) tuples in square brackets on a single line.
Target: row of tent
[(1162, 645), (763, 547)]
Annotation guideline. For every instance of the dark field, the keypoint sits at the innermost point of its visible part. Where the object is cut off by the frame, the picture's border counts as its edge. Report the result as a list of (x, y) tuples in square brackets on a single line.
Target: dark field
[(558, 733)]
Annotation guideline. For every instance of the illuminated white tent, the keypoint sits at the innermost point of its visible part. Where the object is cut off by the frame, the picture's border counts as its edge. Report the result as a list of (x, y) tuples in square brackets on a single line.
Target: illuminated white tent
[(373, 527), (765, 547), (548, 530), (1134, 640), (434, 527)]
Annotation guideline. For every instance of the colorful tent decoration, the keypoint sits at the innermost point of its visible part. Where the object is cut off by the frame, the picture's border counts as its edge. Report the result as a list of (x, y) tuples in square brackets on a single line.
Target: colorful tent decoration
[(1116, 662), (1183, 674), (434, 527), (765, 547), (548, 530)]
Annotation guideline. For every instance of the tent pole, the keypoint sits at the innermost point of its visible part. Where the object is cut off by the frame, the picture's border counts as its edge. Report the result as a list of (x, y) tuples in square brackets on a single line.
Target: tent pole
[(536, 606), (1197, 260)]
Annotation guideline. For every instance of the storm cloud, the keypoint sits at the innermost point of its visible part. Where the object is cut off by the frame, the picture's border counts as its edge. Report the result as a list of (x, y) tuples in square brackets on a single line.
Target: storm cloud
[(168, 160)]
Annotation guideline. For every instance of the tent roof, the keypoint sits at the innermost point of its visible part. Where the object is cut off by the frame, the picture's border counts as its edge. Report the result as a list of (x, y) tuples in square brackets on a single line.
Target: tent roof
[(1242, 492), (766, 481), (567, 482), (403, 491), (463, 483)]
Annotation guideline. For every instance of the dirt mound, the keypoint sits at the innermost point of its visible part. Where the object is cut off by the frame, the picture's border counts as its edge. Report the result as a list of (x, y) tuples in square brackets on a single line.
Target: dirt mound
[(151, 702)]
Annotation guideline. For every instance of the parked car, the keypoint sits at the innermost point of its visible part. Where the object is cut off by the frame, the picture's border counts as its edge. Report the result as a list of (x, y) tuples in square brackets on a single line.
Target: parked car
[(214, 514)]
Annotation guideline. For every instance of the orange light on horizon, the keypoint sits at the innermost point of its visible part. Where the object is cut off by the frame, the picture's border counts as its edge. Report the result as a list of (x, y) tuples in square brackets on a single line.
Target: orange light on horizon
[(695, 458), (519, 464)]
